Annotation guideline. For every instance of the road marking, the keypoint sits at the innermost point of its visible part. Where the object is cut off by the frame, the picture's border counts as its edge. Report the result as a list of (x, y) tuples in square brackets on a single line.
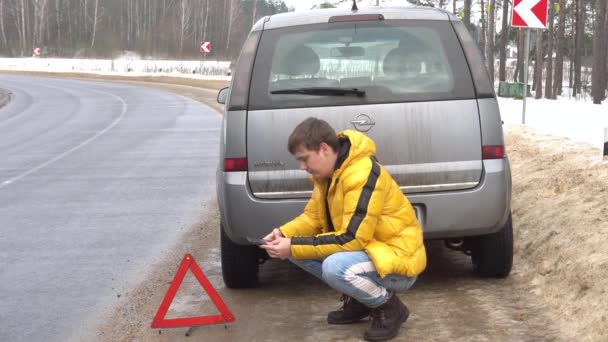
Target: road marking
[(73, 149)]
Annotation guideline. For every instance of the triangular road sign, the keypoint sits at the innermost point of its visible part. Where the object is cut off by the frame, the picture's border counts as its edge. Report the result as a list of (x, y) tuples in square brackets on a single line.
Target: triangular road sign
[(189, 263)]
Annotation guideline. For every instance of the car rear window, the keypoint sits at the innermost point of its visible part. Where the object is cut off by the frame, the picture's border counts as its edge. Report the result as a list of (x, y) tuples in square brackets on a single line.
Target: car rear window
[(391, 61)]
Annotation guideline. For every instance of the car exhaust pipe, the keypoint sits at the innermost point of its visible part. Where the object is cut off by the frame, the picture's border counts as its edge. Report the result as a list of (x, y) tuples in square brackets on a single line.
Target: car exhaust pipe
[(455, 244)]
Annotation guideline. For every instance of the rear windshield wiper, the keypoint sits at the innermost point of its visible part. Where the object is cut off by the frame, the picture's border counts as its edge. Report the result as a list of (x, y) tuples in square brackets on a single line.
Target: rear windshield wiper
[(322, 91)]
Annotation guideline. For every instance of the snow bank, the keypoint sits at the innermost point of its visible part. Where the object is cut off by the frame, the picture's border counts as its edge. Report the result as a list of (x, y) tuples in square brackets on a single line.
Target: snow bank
[(576, 120), (216, 70)]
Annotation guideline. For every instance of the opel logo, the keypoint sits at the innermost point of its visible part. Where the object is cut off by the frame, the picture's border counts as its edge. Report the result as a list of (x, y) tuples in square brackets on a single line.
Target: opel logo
[(363, 122)]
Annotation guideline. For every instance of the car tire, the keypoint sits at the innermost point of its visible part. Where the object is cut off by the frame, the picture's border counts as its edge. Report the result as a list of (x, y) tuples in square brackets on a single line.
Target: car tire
[(492, 254), (239, 263)]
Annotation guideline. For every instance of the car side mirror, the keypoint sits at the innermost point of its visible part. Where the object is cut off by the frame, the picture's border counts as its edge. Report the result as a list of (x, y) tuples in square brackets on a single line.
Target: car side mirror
[(222, 96)]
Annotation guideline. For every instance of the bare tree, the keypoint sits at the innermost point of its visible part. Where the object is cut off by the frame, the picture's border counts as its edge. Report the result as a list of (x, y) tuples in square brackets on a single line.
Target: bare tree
[(206, 19), (253, 17), (235, 9), (24, 43), (39, 14), (519, 74), (129, 24), (504, 36), (578, 44), (85, 19), (467, 14), (2, 29), (96, 16), (185, 22), (58, 16), (599, 54), (136, 19), (482, 36), (549, 77), (606, 51), (71, 37), (490, 40), (559, 57), (538, 65), (160, 27), (230, 19)]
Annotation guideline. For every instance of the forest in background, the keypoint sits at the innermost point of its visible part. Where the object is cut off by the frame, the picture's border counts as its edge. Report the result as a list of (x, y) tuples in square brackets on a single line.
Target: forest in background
[(151, 28), (573, 48)]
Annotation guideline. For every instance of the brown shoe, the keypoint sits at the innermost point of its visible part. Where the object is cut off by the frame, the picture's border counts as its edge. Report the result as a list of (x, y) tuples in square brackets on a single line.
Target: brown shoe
[(352, 311), (386, 320)]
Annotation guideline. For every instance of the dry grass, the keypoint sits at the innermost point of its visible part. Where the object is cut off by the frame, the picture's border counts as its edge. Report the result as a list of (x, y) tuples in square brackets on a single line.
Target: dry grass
[(560, 196)]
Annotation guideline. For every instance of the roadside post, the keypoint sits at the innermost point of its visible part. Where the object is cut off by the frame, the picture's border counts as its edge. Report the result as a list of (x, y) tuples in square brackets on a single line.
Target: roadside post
[(528, 14), (525, 90), (204, 48)]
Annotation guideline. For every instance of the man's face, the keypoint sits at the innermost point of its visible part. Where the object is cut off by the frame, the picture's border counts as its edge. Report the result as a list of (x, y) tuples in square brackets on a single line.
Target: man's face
[(320, 164)]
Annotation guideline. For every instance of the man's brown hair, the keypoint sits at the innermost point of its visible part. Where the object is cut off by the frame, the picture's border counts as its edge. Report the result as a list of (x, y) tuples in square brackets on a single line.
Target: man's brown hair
[(311, 133)]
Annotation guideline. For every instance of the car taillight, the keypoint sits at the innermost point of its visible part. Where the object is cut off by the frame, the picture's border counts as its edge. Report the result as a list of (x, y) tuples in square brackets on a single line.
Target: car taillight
[(492, 152), (235, 164)]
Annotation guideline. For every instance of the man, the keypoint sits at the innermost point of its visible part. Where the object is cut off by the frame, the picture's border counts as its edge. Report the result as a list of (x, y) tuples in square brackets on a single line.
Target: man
[(358, 232)]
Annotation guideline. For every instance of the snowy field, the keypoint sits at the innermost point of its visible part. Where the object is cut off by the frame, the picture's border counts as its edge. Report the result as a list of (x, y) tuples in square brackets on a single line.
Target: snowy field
[(577, 120)]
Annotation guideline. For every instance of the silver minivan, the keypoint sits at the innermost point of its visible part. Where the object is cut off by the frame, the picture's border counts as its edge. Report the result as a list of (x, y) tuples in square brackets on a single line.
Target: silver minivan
[(410, 78)]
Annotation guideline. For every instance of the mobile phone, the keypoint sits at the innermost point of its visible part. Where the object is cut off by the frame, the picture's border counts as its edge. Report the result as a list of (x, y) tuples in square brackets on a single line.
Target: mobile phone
[(257, 241)]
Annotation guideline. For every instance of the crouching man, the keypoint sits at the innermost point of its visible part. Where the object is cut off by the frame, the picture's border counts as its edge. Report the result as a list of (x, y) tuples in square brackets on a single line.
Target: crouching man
[(358, 233)]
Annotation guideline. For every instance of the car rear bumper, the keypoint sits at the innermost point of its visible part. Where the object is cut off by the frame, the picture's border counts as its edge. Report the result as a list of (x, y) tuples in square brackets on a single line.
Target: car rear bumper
[(448, 214)]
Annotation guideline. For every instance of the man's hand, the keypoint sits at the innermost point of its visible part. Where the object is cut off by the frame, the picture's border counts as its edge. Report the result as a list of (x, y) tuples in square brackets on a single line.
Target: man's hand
[(279, 248), (275, 234)]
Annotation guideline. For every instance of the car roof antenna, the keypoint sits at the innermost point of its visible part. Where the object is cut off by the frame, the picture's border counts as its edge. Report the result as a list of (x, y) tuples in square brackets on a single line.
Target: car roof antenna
[(355, 6)]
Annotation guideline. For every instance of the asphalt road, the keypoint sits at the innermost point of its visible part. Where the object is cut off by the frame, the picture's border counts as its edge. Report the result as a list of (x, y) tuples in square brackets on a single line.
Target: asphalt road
[(96, 182)]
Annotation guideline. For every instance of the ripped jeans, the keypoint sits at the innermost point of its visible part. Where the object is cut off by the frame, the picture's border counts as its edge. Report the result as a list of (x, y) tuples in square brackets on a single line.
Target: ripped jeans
[(354, 274)]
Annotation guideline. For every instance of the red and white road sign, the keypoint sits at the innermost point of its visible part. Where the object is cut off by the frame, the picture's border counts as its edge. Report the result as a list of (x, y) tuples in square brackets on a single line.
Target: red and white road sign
[(37, 51), (205, 46), (529, 13)]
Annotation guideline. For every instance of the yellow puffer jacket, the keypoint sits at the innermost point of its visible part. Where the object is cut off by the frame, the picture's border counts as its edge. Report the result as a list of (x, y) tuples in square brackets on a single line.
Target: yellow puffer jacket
[(368, 212)]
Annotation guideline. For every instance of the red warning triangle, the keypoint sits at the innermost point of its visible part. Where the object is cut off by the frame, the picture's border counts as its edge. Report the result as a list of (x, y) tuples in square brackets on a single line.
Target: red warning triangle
[(160, 321)]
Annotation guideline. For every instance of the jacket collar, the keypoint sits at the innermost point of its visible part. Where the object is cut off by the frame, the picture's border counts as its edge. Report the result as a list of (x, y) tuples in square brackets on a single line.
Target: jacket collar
[(343, 151)]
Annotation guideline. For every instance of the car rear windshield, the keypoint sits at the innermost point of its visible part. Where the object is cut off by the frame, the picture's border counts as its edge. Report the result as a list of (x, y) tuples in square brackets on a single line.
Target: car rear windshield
[(353, 63)]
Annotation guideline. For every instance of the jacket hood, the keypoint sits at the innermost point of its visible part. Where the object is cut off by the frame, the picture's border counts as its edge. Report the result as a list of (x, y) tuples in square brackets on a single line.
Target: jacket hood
[(361, 146)]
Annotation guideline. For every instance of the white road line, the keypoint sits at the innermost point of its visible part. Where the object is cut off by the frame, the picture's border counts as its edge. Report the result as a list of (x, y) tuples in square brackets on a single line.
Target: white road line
[(75, 148)]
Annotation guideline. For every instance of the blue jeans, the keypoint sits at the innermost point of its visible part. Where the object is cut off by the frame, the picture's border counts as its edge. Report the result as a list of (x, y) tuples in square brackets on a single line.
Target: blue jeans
[(354, 274)]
